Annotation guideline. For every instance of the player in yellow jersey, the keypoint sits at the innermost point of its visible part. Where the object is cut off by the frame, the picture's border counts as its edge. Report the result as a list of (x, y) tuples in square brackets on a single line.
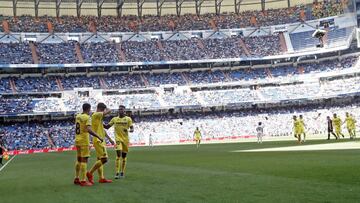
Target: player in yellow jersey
[(197, 137), (337, 125), (122, 126), (353, 125), (350, 125), (302, 127), (100, 147), (82, 143), (296, 128)]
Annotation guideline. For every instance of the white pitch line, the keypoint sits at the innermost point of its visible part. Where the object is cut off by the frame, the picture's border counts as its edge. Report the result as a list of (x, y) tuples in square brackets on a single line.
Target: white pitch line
[(315, 147), (7, 163)]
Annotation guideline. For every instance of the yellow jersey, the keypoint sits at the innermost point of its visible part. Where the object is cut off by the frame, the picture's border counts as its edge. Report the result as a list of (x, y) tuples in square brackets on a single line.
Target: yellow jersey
[(197, 134), (302, 124), (97, 125), (337, 122), (297, 126), (121, 128), (81, 134)]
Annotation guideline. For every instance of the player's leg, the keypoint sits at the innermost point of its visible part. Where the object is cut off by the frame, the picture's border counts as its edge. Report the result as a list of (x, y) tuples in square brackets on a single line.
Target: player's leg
[(101, 159), (77, 166), (354, 133), (123, 159), (117, 160), (123, 164), (1, 158), (340, 133), (332, 132), (298, 137), (84, 156), (328, 135), (304, 136)]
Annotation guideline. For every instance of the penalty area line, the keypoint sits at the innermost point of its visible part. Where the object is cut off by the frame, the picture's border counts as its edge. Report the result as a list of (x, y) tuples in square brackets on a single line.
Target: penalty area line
[(7, 163)]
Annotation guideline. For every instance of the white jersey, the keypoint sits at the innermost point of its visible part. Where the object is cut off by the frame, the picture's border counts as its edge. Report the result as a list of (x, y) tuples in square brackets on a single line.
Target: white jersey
[(260, 130)]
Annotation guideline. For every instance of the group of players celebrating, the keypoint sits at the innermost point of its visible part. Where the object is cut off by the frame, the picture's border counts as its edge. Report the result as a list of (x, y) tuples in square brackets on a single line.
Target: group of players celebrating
[(87, 123), (335, 122)]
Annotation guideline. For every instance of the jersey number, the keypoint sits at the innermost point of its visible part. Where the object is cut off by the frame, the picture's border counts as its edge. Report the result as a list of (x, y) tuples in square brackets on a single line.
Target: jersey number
[(77, 129)]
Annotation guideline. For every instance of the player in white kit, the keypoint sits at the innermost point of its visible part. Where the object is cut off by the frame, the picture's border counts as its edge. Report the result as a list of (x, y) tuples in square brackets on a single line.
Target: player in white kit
[(260, 132)]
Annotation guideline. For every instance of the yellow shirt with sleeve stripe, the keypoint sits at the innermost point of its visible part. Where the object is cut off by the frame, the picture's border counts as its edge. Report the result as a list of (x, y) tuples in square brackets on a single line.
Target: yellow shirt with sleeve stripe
[(97, 125), (81, 134), (121, 128)]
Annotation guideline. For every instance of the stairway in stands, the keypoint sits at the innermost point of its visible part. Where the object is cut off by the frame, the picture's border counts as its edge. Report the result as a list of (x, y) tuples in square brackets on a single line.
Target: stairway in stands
[(12, 85), (103, 84), (121, 53), (34, 53), (244, 47), (283, 43), (161, 47), (144, 80), (188, 82), (59, 84), (78, 53)]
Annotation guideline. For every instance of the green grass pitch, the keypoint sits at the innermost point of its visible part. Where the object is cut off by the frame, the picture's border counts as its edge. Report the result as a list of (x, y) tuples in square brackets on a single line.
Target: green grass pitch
[(184, 174)]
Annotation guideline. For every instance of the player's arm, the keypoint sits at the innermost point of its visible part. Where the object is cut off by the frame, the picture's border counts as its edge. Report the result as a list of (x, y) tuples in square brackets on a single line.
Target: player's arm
[(109, 138), (130, 122), (91, 132)]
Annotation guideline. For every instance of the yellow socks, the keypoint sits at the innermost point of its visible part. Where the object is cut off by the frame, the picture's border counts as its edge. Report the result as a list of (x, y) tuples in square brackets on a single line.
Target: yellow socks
[(77, 169), (117, 164), (123, 164), (97, 165), (83, 167), (100, 171)]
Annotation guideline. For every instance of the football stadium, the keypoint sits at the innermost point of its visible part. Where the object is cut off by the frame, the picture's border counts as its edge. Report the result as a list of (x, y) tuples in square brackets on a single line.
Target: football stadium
[(179, 101)]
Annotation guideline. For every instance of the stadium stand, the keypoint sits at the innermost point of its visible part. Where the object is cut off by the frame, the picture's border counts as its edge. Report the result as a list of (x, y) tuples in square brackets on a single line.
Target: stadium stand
[(153, 23)]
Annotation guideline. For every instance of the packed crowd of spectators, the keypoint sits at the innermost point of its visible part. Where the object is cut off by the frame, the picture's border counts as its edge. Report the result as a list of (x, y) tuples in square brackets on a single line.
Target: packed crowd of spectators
[(206, 77), (81, 81), (142, 51), (263, 46), (147, 23), (170, 22), (186, 97), (135, 80), (57, 53), (107, 54), (224, 48), (157, 79), (173, 128), (15, 53), (124, 81), (139, 49), (25, 136), (35, 84), (327, 8), (15, 106)]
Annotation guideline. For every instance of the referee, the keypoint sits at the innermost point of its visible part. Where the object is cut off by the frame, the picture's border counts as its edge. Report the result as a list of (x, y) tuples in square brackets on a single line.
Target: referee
[(330, 127)]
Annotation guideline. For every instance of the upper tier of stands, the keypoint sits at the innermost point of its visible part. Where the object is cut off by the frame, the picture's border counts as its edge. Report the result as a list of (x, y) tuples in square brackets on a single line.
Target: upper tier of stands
[(165, 50), (172, 22)]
